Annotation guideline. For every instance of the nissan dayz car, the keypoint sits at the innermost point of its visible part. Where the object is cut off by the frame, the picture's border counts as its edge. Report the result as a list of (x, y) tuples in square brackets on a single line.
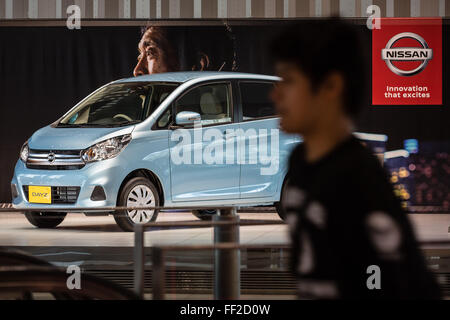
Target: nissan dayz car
[(174, 139)]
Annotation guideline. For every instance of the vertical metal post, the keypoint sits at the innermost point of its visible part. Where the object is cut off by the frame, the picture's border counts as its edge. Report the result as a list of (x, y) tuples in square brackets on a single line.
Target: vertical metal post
[(158, 274), (139, 262), (227, 263)]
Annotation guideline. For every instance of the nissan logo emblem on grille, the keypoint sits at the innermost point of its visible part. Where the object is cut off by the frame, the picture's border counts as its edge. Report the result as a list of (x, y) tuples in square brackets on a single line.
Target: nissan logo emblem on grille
[(51, 157), (422, 53)]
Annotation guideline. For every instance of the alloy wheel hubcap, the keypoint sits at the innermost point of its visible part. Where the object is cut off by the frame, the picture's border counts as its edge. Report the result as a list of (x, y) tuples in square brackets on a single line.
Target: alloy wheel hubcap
[(140, 196)]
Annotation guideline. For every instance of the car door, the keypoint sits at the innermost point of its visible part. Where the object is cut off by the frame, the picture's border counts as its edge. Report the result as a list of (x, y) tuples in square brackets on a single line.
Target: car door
[(201, 167), (266, 148)]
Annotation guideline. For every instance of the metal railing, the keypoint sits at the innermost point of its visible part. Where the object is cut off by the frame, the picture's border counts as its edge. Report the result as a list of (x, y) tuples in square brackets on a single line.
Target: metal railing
[(226, 246), (112, 209), (226, 257), (224, 287)]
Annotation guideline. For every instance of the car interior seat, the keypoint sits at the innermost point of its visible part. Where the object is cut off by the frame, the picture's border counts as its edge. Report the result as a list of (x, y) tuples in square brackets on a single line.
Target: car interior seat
[(211, 107)]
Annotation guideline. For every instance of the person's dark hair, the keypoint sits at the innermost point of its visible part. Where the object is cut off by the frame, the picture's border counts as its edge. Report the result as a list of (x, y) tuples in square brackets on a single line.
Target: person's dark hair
[(320, 47)]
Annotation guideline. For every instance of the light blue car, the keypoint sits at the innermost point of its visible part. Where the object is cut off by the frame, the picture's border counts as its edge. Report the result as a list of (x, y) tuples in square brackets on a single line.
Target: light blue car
[(174, 139)]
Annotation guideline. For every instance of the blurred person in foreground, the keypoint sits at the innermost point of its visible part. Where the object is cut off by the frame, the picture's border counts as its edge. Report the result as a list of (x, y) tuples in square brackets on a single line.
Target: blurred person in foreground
[(350, 236)]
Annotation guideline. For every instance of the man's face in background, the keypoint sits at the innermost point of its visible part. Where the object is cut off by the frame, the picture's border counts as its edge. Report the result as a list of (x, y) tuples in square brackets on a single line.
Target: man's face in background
[(153, 58)]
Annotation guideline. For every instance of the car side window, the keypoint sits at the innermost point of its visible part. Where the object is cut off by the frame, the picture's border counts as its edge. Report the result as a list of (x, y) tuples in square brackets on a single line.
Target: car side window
[(165, 119), (212, 102), (255, 99)]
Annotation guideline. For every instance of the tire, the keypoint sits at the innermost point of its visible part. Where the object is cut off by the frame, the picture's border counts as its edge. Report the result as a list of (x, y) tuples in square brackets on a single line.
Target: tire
[(45, 220), (279, 205), (280, 210), (205, 215), (137, 192)]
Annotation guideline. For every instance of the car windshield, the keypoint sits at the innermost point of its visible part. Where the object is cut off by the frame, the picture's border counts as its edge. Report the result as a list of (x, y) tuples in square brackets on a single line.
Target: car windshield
[(118, 105)]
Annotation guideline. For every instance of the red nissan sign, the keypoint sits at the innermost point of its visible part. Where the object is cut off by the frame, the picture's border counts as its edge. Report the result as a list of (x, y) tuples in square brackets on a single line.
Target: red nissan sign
[(407, 62)]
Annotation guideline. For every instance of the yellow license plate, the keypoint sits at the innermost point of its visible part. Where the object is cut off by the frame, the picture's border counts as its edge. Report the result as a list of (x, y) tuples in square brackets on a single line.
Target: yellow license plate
[(40, 194)]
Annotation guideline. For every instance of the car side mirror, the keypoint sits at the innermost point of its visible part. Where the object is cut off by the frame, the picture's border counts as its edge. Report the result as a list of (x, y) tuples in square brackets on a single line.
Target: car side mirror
[(185, 118)]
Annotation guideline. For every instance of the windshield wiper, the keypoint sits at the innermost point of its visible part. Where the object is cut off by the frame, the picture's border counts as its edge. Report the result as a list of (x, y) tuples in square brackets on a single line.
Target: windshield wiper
[(129, 123), (69, 125), (96, 125)]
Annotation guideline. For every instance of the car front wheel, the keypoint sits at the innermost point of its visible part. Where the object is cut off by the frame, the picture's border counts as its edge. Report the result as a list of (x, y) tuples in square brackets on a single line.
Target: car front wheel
[(137, 192)]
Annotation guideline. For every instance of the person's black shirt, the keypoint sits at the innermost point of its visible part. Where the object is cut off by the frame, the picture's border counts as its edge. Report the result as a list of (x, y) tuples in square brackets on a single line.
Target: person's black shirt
[(345, 223)]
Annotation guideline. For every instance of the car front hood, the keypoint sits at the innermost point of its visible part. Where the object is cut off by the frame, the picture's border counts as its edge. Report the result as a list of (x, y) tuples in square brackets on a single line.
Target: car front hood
[(50, 138)]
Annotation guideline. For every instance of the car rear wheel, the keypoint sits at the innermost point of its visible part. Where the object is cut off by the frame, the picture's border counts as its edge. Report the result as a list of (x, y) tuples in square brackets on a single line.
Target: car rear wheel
[(45, 220), (279, 204), (205, 215), (138, 192)]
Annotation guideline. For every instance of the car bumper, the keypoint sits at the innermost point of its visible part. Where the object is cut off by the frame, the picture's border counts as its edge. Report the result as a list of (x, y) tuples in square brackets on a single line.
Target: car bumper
[(107, 174)]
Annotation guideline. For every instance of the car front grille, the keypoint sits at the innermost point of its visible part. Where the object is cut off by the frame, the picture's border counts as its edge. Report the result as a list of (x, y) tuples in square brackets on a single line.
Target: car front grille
[(61, 195), (55, 160)]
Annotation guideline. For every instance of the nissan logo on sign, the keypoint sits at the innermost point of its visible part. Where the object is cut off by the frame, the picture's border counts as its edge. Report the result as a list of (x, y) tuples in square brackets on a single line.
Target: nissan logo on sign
[(422, 53)]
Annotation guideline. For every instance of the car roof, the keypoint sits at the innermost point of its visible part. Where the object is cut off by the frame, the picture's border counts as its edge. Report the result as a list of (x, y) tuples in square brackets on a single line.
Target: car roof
[(186, 76)]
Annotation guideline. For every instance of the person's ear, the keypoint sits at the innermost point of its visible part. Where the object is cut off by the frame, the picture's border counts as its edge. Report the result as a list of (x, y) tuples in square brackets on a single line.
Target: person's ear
[(333, 85)]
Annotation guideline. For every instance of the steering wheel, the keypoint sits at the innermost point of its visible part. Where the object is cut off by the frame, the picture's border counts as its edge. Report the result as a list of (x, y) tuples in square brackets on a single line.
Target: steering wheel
[(124, 116)]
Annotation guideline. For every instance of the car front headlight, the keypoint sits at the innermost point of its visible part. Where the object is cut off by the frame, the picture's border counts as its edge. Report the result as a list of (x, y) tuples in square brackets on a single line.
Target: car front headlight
[(24, 152), (107, 149)]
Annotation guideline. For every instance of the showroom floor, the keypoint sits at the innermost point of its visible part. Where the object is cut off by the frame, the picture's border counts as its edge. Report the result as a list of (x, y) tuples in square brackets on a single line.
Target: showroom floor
[(79, 230)]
